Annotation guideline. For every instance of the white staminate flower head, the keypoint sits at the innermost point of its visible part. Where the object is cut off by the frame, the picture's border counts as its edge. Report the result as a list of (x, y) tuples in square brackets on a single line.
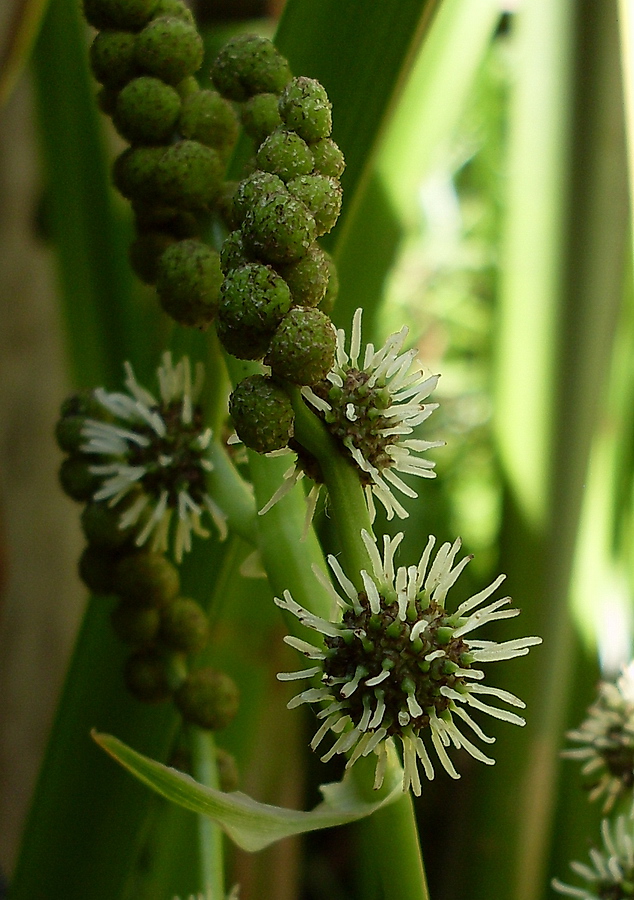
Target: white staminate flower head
[(611, 873), (153, 453), (395, 663), (606, 737), (372, 404)]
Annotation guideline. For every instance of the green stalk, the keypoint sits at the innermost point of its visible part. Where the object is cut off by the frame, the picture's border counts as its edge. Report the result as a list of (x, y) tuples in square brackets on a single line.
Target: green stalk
[(210, 837)]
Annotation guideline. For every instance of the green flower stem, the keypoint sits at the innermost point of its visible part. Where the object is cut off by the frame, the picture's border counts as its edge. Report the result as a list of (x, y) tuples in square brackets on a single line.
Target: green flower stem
[(232, 494), (203, 749), (348, 506), (401, 871)]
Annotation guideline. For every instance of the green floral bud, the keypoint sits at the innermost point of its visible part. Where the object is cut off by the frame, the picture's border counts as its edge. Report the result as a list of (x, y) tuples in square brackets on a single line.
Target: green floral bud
[(136, 625), (145, 253), (123, 15), (169, 48), (284, 153), (241, 343), (134, 172), (209, 118), (322, 196), (189, 175), (308, 277), (184, 626), (249, 64), (146, 676), (253, 189), (262, 414), (328, 158), (188, 282), (255, 298), (76, 478), (95, 569), (146, 111), (112, 58), (144, 578), (279, 229), (233, 254), (305, 108), (228, 774), (151, 216), (303, 347), (107, 100), (174, 9), (328, 303), (208, 698), (260, 116), (100, 523)]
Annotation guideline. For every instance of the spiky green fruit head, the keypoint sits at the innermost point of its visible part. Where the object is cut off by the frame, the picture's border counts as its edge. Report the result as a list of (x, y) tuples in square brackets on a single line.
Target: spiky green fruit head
[(76, 479), (305, 108), (262, 414), (253, 189), (249, 64), (146, 676), (209, 118), (188, 282), (286, 154), (328, 303), (308, 277), (145, 253), (279, 229), (189, 175), (208, 698), (303, 347), (170, 49), (260, 116), (112, 58), (119, 15), (322, 195), (228, 773), (144, 578), (136, 625), (146, 111), (254, 298), (100, 524), (134, 172), (95, 568), (233, 253), (329, 160), (149, 216), (174, 9), (184, 626), (242, 343)]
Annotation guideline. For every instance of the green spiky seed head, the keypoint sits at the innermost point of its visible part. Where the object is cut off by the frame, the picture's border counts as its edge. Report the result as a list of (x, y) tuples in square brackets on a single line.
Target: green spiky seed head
[(253, 189), (119, 15), (188, 282), (170, 49), (76, 479), (305, 108), (329, 159), (146, 676), (95, 569), (260, 116), (136, 625), (208, 698), (145, 253), (241, 343), (279, 229), (255, 298), (228, 774), (151, 216), (286, 154), (100, 523), (135, 170), (146, 111), (308, 277), (233, 253), (322, 195), (262, 414), (303, 347), (112, 58), (174, 9), (184, 626), (249, 64), (209, 118), (144, 578), (189, 175), (328, 303)]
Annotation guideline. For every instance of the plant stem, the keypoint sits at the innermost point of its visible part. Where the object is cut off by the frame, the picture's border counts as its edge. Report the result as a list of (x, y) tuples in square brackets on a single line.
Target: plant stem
[(401, 871), (232, 494), (209, 834)]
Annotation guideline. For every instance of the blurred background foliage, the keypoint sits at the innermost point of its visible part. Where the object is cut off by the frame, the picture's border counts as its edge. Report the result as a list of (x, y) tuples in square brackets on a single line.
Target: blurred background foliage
[(487, 208)]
